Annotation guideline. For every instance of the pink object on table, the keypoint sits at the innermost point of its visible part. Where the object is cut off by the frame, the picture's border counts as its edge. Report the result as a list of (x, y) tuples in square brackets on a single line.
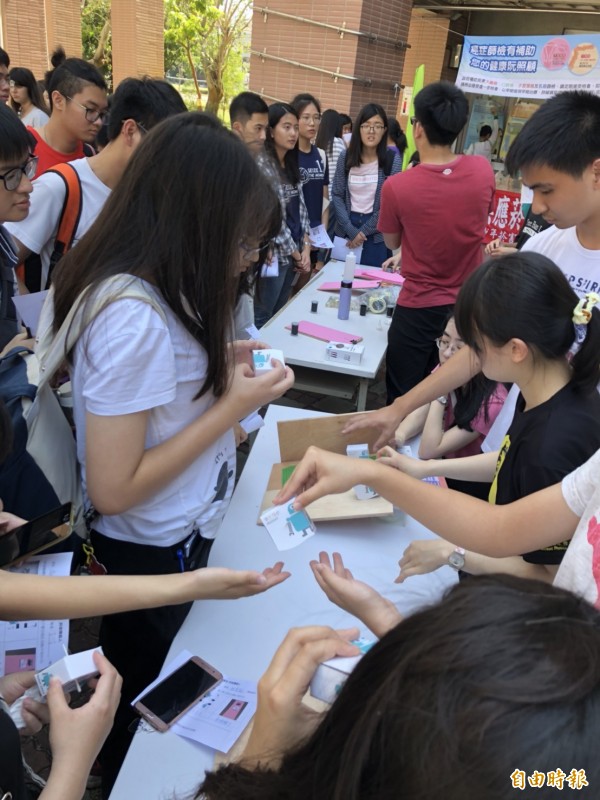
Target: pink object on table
[(335, 286), (371, 273), (326, 334)]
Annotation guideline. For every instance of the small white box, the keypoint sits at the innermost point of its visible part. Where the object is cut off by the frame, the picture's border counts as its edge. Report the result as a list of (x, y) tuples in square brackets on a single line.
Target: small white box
[(331, 675), (361, 491), (262, 360), (347, 353), (71, 670)]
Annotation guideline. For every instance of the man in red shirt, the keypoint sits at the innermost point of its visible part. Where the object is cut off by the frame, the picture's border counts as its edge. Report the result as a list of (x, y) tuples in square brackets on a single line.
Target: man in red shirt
[(437, 212), (78, 104)]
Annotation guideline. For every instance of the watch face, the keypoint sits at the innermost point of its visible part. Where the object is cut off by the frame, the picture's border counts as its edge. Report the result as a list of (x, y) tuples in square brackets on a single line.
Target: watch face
[(456, 560)]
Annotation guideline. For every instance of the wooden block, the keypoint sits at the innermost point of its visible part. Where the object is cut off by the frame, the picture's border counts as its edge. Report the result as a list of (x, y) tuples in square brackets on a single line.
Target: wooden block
[(330, 508), (295, 436)]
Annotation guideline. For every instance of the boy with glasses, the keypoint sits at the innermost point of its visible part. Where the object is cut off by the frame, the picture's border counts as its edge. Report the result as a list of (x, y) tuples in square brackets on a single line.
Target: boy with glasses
[(137, 106)]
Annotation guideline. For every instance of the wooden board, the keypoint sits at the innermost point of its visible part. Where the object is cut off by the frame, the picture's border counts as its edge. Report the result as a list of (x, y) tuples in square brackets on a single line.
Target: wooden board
[(325, 432), (333, 507)]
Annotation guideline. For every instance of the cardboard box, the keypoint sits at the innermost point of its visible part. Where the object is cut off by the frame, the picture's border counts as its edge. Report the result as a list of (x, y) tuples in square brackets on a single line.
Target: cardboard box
[(346, 353), (262, 360), (71, 670)]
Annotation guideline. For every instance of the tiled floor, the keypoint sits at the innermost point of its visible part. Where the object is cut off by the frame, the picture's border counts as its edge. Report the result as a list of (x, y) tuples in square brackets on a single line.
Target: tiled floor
[(84, 633)]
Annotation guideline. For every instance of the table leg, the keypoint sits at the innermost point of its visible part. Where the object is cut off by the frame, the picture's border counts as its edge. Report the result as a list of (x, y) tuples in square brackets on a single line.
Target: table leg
[(361, 402)]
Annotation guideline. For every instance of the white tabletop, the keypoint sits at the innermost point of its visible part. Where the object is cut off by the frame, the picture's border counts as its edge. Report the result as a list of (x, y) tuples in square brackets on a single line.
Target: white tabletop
[(240, 636), (308, 352)]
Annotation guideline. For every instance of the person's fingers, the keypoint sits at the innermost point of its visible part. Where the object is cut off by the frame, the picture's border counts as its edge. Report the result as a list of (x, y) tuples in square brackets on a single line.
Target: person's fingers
[(33, 723), (338, 565), (295, 639), (324, 559)]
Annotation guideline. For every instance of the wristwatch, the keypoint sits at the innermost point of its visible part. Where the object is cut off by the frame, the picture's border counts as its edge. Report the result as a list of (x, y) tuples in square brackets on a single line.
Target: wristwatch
[(456, 559)]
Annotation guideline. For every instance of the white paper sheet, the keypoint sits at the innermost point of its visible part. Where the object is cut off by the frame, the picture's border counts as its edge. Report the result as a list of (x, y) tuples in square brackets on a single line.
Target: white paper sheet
[(320, 238), (252, 422), (29, 308), (35, 644), (341, 250), (220, 718), (270, 270)]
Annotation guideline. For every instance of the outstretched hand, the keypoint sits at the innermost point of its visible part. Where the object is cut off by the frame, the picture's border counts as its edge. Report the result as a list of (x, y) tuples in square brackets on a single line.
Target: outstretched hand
[(321, 473), (385, 420), (423, 556), (221, 583), (354, 596)]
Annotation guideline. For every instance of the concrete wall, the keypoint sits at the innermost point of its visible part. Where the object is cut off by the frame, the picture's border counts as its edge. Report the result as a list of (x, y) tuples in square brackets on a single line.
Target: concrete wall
[(523, 24)]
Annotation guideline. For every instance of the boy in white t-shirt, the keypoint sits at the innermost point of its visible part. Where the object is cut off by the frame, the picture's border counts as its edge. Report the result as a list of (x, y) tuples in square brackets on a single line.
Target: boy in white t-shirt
[(558, 155), (137, 106)]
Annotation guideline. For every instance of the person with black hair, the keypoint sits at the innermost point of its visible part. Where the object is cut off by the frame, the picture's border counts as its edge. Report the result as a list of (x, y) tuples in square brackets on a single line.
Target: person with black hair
[(157, 384), (329, 139), (291, 247), (77, 100), (454, 425), (488, 135), (559, 157), (520, 316), (136, 107), (4, 79), (346, 127), (314, 171), (396, 138), (499, 679), (26, 99), (438, 213), (249, 118), (17, 168), (358, 183)]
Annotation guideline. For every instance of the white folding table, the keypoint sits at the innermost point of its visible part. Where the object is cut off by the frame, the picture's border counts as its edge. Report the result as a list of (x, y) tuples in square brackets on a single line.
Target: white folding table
[(315, 373), (239, 637)]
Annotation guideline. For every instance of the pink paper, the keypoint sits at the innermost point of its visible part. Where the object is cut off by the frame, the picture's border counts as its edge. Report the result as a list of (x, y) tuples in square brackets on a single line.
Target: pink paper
[(371, 273), (326, 334), (335, 286)]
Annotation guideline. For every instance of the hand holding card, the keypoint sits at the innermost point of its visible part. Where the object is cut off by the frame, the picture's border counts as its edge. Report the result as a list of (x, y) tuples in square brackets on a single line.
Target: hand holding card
[(287, 527)]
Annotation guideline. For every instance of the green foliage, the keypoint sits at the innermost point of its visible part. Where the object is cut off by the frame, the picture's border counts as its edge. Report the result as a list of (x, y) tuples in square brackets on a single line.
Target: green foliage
[(96, 35), (207, 34)]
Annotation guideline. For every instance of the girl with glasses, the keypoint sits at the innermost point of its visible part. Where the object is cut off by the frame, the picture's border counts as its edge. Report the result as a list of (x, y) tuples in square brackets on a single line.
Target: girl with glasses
[(157, 385), (26, 98), (454, 425), (359, 178), (314, 171)]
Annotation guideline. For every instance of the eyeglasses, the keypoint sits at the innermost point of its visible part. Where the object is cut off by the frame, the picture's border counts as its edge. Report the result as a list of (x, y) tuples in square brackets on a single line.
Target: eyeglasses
[(377, 128), (91, 114), (254, 253), (444, 344), (413, 120), (141, 127), (12, 178), (308, 118)]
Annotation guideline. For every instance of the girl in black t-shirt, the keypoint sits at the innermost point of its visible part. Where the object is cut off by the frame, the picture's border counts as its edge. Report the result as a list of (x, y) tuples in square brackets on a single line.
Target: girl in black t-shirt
[(527, 326)]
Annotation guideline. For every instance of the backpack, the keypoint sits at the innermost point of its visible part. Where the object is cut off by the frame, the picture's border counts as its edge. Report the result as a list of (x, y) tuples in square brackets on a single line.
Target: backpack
[(42, 471)]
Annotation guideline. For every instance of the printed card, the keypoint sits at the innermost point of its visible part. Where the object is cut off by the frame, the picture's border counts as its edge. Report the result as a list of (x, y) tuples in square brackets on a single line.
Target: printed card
[(287, 527)]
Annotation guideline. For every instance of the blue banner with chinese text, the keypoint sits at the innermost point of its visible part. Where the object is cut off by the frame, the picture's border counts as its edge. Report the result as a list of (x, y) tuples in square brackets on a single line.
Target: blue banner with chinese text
[(535, 67)]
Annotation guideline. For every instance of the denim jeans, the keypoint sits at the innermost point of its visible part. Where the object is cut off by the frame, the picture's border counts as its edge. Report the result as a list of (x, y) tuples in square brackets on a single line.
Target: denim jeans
[(273, 293), (373, 253)]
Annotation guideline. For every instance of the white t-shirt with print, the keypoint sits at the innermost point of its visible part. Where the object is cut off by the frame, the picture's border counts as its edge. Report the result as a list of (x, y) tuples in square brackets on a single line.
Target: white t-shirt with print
[(127, 361), (582, 269), (580, 568), (38, 230)]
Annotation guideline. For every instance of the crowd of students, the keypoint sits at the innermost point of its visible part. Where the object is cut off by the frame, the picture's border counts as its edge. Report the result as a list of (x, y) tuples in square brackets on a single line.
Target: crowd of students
[(188, 233)]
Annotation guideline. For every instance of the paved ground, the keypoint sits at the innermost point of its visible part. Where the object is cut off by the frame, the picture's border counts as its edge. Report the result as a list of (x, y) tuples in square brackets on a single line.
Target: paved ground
[(84, 633)]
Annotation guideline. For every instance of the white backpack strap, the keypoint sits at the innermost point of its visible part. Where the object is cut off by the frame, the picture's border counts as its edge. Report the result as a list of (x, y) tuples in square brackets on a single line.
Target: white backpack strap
[(52, 349)]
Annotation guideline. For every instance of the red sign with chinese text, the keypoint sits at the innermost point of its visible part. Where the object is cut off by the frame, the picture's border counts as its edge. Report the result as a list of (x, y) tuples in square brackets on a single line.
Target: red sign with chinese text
[(505, 219)]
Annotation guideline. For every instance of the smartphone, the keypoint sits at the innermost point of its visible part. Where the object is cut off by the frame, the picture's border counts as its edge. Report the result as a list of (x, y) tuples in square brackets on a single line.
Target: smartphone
[(35, 535), (177, 693)]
